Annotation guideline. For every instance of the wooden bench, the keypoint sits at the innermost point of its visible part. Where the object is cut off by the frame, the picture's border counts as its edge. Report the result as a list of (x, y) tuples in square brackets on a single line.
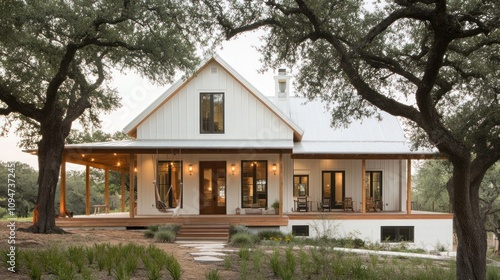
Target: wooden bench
[(98, 207)]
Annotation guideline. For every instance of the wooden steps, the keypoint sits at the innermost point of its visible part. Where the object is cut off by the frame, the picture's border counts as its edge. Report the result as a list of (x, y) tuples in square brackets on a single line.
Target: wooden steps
[(203, 232)]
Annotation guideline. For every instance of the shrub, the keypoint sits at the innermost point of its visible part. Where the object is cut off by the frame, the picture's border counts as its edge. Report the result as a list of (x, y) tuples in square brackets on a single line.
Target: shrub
[(171, 227), (243, 240), (149, 233), (165, 236), (153, 228), (271, 235), (238, 229)]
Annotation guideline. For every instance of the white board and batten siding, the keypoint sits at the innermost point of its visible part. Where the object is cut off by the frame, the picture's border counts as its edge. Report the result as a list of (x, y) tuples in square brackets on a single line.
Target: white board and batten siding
[(191, 190), (246, 117), (393, 179)]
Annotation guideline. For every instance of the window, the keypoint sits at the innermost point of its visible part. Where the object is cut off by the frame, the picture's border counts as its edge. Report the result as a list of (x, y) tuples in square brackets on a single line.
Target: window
[(300, 185), (397, 234), (300, 230), (168, 183), (212, 113), (373, 184), (254, 184)]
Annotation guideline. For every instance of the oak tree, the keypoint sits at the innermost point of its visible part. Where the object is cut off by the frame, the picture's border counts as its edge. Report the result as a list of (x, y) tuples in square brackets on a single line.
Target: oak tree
[(56, 58), (426, 61)]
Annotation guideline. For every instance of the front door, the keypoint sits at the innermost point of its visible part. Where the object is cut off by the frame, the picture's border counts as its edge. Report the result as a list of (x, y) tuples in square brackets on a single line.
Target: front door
[(213, 187), (334, 187)]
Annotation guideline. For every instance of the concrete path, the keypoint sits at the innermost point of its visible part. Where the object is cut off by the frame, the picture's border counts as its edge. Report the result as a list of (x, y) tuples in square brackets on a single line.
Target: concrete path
[(207, 251)]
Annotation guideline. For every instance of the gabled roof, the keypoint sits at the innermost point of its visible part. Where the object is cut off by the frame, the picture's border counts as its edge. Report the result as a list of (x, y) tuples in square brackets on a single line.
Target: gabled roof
[(131, 128)]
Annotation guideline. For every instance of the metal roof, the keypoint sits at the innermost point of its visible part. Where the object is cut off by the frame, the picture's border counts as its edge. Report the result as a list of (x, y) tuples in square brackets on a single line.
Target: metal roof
[(369, 136), (138, 145)]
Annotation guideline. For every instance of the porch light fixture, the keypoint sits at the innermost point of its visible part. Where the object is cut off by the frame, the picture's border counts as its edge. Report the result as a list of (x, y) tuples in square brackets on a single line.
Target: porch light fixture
[(274, 168), (190, 169), (135, 169), (233, 168)]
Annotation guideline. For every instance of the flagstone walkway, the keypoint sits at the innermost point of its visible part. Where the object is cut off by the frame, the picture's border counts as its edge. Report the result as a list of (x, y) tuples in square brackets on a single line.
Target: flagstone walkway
[(207, 251)]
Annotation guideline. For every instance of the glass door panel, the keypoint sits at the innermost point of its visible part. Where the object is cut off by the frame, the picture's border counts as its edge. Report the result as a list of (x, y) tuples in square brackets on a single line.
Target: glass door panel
[(334, 187), (213, 187)]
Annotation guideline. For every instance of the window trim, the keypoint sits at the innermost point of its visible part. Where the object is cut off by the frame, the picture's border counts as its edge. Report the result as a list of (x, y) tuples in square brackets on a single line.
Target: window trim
[(369, 174), (181, 171), (397, 239), (307, 185), (254, 175), (211, 117)]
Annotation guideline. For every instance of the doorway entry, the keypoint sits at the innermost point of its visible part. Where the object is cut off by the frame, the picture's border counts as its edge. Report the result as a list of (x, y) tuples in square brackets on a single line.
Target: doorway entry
[(334, 187), (212, 187)]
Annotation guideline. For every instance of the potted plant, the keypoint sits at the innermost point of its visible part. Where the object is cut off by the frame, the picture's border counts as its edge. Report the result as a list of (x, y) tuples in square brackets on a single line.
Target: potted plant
[(276, 206)]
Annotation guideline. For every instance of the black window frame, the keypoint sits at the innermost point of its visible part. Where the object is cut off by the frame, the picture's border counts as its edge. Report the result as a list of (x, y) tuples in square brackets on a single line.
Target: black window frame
[(210, 121), (369, 176), (169, 180), (300, 230), (256, 197), (394, 234), (295, 185)]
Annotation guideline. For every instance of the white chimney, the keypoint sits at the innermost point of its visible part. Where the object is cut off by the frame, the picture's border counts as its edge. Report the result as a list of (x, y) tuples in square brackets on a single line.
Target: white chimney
[(282, 90)]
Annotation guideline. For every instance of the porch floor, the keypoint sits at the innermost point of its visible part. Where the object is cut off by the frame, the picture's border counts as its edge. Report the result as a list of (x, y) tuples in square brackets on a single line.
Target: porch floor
[(122, 219)]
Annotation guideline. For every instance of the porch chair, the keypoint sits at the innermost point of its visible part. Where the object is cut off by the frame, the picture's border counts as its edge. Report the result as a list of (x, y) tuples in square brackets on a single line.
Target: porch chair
[(347, 204), (370, 204), (302, 203), (324, 204)]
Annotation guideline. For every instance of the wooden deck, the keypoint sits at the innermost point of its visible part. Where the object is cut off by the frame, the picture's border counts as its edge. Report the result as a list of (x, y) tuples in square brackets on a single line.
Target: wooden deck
[(381, 215), (123, 220), (113, 220)]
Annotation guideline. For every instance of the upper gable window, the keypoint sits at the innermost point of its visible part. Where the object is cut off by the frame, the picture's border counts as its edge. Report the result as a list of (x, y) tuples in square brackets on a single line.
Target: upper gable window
[(212, 112)]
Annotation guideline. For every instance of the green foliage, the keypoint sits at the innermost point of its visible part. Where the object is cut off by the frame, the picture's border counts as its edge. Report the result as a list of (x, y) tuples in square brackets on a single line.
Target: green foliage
[(233, 229), (164, 236), (149, 233), (212, 274), (117, 261), (173, 267), (271, 234), (26, 190), (243, 240), (429, 192), (422, 61)]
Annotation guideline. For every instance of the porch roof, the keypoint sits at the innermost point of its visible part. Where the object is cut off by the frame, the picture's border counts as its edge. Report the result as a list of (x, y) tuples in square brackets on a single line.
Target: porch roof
[(149, 146), (360, 149)]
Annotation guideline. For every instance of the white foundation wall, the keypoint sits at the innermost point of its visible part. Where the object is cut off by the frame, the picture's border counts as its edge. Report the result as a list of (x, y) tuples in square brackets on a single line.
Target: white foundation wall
[(429, 234), (191, 190)]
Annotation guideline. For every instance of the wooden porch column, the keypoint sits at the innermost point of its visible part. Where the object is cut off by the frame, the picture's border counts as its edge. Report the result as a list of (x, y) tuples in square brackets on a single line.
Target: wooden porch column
[(132, 187), (363, 192), (408, 187), (62, 190), (106, 189), (280, 166), (87, 190), (122, 182)]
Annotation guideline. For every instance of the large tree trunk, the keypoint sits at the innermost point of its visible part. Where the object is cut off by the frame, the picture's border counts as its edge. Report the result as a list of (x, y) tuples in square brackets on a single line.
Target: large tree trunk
[(50, 150), (469, 226)]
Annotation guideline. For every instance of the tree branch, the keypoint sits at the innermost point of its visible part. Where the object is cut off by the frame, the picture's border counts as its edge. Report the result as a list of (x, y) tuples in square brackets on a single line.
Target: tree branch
[(14, 105)]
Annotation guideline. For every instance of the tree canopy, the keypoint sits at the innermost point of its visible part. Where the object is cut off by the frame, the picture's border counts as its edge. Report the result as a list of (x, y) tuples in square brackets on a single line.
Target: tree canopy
[(431, 62), (56, 58)]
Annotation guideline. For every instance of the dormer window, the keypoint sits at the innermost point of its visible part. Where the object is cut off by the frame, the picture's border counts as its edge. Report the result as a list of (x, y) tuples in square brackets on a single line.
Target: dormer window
[(212, 113)]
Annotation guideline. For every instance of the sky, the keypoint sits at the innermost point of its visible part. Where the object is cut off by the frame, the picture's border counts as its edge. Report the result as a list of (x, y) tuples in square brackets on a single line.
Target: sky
[(137, 93)]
